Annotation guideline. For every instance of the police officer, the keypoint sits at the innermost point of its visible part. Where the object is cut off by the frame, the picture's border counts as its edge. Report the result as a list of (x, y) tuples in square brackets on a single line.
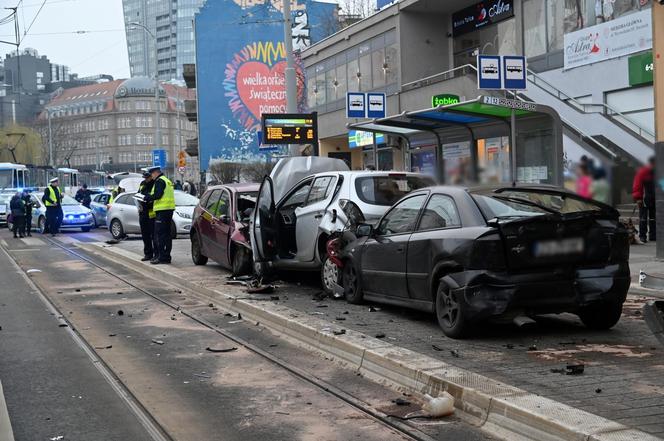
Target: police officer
[(146, 217), (27, 202), (53, 201), (162, 195)]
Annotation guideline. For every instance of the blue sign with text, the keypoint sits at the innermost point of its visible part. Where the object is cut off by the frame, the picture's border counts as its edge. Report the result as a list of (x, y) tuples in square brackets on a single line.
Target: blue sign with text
[(159, 158), (514, 72), (376, 105), (489, 73)]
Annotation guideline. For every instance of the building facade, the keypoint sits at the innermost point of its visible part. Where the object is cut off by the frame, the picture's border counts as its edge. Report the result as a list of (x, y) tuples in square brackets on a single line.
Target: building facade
[(171, 23), (413, 50), (111, 126)]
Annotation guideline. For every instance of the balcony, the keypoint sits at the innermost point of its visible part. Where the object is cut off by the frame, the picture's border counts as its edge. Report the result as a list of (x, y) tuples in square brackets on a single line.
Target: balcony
[(192, 147), (189, 74), (190, 110)]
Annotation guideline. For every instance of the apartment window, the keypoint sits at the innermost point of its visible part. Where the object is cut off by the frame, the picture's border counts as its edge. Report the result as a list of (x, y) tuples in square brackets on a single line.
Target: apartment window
[(164, 139), (164, 123)]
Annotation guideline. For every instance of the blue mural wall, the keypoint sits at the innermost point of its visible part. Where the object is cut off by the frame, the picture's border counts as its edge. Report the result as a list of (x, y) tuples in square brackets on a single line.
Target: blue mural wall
[(240, 63)]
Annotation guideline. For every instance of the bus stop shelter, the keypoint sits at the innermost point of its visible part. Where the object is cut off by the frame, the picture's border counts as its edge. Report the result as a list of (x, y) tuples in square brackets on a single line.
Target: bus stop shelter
[(461, 139)]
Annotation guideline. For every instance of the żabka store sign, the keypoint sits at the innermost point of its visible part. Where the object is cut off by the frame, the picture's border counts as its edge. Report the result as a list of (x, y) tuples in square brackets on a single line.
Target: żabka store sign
[(616, 38), (481, 14)]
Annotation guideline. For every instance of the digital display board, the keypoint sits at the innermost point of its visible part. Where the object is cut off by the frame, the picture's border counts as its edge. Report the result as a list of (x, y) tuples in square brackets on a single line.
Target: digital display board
[(360, 138), (290, 128)]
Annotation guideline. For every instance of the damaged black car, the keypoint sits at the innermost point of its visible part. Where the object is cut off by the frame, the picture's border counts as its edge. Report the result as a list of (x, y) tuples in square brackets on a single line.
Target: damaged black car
[(470, 255)]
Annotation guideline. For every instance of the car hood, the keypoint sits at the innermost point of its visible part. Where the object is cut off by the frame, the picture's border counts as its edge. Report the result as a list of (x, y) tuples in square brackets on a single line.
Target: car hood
[(290, 171), (74, 209), (186, 210)]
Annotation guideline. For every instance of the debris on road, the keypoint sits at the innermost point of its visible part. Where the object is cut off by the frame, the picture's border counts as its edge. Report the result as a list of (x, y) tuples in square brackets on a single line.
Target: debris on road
[(532, 348), (575, 369), (63, 325), (380, 335), (202, 376), (219, 351), (112, 242), (373, 309), (598, 391), (436, 348), (112, 335), (340, 318), (33, 270), (401, 402), (157, 342), (261, 289), (455, 353), (120, 312), (104, 347), (439, 406), (339, 332), (57, 438)]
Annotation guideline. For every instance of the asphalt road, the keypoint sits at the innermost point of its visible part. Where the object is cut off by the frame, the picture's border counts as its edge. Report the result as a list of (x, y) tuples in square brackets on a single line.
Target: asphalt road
[(161, 357)]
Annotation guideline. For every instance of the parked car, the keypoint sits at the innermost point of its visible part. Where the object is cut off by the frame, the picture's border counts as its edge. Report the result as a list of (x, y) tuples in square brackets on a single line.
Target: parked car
[(471, 255), (99, 207), (291, 230), (4, 207), (122, 215), (74, 215), (220, 228)]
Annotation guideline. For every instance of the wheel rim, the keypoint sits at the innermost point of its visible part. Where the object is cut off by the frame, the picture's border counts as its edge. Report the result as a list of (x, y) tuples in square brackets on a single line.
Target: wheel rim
[(448, 308), (330, 274), (41, 225), (115, 229)]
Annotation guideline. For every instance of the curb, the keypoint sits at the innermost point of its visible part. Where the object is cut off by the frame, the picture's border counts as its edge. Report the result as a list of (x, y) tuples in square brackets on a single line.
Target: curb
[(6, 433), (636, 289), (505, 411)]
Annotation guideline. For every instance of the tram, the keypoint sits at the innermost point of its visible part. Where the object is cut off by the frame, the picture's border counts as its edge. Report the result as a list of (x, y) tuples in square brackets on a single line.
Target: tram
[(13, 176)]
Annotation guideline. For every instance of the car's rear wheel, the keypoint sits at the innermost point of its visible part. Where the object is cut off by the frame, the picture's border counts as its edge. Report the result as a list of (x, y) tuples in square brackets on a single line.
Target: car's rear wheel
[(196, 251), (117, 231), (329, 275), (450, 313), (41, 224), (352, 284), (601, 315), (241, 261)]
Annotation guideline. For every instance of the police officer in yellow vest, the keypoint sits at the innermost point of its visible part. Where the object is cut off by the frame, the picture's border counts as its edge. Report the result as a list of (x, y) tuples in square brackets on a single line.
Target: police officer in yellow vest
[(52, 199), (146, 217), (162, 197)]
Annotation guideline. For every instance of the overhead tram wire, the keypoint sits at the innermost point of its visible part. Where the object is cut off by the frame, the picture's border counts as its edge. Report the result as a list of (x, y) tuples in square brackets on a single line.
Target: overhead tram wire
[(25, 33)]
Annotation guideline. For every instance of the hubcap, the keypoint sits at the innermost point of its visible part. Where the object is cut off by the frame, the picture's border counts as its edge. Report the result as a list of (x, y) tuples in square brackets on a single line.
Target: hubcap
[(116, 229), (449, 310), (330, 274)]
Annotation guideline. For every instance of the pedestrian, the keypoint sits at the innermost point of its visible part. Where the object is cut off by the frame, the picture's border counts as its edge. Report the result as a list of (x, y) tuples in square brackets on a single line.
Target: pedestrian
[(53, 200), (178, 184), (28, 204), (643, 192), (600, 188), (583, 181), (18, 214), (146, 218), (192, 189), (186, 187), (162, 195), (84, 196)]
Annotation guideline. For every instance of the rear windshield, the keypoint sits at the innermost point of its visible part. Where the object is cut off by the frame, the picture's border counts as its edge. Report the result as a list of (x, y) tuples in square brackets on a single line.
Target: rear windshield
[(386, 190), (522, 203)]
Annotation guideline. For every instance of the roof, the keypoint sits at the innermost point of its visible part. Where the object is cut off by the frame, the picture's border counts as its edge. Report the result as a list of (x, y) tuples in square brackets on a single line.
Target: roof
[(93, 92)]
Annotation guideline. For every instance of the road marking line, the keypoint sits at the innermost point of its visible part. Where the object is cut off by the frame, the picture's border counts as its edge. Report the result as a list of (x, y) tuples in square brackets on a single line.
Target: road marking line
[(33, 241), (6, 433), (4, 243)]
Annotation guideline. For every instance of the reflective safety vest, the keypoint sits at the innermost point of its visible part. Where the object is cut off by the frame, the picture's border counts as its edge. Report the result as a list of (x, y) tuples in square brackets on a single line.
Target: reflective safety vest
[(167, 200), (150, 206), (53, 196)]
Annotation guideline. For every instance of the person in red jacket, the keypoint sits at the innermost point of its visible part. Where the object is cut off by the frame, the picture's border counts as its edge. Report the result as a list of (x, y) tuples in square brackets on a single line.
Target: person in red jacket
[(643, 192)]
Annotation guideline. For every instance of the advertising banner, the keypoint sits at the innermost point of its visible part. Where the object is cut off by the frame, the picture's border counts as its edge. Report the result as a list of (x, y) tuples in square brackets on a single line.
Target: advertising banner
[(240, 63), (616, 38), (481, 14)]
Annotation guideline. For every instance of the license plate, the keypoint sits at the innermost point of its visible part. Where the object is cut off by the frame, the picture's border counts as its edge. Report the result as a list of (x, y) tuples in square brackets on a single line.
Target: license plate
[(559, 247)]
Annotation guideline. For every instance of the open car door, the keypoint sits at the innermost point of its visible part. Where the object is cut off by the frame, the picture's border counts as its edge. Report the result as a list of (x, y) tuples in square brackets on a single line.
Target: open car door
[(263, 231)]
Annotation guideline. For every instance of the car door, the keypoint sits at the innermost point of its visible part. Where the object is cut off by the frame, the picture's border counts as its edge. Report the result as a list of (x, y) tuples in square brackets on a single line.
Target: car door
[(310, 215), (221, 226), (128, 213), (384, 255), (263, 232), (99, 207), (205, 228), (432, 242)]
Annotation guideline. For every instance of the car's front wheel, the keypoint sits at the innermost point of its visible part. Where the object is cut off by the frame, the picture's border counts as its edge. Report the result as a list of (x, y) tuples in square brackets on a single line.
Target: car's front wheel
[(41, 224), (241, 261), (450, 313), (601, 316), (196, 251), (329, 275), (352, 284), (117, 231)]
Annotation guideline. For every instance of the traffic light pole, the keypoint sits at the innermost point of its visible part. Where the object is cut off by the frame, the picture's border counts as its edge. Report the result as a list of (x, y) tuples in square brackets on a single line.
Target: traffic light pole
[(658, 59)]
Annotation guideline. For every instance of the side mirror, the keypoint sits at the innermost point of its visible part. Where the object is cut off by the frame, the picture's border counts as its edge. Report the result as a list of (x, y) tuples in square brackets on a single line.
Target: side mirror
[(246, 214), (225, 219), (364, 230)]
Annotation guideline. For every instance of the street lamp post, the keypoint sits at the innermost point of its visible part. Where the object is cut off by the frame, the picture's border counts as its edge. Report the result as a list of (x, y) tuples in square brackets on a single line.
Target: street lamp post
[(157, 131), (50, 138)]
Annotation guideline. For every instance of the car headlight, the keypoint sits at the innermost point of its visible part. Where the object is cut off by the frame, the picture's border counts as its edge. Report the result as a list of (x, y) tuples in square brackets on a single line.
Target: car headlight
[(183, 215)]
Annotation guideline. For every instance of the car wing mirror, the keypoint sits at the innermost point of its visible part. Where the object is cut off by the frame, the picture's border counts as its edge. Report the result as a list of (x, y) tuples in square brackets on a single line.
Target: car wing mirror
[(225, 219), (364, 230)]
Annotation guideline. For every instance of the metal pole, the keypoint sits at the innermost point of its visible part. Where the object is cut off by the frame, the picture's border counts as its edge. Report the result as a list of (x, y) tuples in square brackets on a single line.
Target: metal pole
[(177, 116), (157, 130), (513, 146), (291, 82), (50, 138)]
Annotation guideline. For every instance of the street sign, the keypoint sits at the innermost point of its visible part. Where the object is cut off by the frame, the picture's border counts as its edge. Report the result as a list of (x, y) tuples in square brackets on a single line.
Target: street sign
[(181, 170), (514, 72), (182, 159), (375, 105), (489, 72), (444, 99), (356, 105), (289, 128), (159, 158)]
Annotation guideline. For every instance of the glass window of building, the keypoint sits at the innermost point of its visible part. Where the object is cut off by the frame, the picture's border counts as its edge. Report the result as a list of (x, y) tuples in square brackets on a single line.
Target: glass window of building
[(555, 24), (319, 89), (365, 71), (340, 79), (352, 69), (378, 70), (331, 90), (392, 62), (534, 32)]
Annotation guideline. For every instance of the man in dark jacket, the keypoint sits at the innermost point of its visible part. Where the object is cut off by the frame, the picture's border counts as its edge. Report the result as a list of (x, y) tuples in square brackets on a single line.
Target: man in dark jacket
[(18, 215), (28, 204), (643, 192), (84, 196), (146, 218), (53, 200)]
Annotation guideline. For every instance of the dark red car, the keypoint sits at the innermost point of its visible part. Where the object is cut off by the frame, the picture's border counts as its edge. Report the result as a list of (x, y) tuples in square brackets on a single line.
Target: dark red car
[(220, 228)]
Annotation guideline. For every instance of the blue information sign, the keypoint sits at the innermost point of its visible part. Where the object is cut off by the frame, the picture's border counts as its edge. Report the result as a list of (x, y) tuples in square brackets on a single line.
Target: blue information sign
[(375, 105), (514, 72), (356, 105), (159, 158), (489, 73)]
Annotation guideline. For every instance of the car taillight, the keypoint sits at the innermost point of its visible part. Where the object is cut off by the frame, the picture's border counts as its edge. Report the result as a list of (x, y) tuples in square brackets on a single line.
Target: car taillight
[(333, 251)]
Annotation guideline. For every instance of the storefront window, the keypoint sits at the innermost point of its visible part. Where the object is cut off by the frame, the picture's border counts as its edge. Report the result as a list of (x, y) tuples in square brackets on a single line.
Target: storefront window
[(555, 23), (534, 23), (377, 62)]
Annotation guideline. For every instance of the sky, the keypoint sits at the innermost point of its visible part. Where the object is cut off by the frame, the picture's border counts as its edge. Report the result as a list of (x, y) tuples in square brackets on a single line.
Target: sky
[(54, 33)]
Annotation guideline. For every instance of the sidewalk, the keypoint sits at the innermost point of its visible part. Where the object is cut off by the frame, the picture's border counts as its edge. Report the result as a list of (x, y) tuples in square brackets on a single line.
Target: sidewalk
[(623, 379), (642, 258)]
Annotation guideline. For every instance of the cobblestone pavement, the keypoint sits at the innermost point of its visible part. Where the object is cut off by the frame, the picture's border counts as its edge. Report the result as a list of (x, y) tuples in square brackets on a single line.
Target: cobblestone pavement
[(624, 367)]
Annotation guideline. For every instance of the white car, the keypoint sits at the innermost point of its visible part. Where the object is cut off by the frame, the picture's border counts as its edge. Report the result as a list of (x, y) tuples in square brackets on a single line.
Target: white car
[(306, 201), (122, 216)]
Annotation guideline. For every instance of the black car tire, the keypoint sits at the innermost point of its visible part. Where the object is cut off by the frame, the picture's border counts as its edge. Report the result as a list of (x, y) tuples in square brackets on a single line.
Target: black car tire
[(240, 261), (450, 313), (86, 229), (196, 252), (601, 316), (329, 273), (116, 229), (352, 284), (41, 225)]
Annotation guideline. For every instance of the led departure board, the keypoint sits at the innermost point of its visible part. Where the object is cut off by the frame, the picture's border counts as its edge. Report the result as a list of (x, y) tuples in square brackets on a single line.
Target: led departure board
[(290, 128)]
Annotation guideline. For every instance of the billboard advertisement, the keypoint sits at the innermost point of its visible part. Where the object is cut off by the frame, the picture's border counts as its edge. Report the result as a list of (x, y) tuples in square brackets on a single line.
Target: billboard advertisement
[(240, 63)]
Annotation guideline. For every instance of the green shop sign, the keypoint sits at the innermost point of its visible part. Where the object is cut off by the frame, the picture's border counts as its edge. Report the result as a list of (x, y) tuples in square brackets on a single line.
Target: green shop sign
[(444, 100), (641, 69)]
